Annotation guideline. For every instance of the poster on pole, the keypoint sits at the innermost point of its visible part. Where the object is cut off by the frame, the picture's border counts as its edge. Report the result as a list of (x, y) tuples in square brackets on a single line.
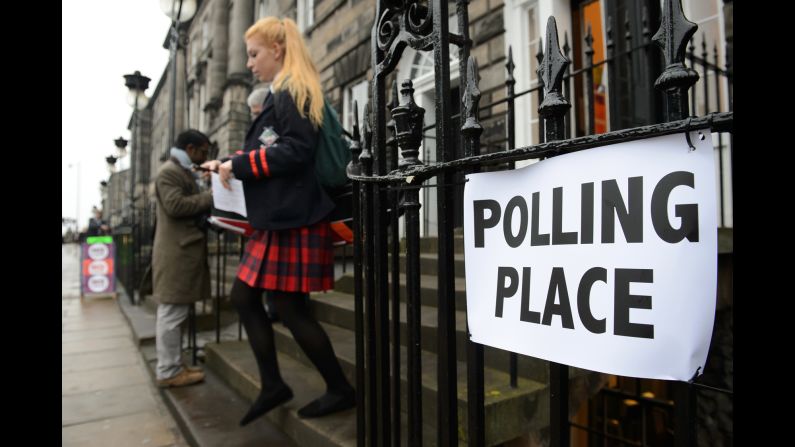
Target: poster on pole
[(603, 259), (98, 276)]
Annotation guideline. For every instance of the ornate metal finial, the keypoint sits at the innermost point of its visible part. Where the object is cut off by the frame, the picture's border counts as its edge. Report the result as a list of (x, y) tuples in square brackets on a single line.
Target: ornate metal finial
[(554, 105), (646, 31), (354, 166), (715, 52), (704, 46), (472, 128), (589, 51), (540, 52), (366, 157), (510, 80), (675, 30), (409, 121), (566, 47), (551, 72)]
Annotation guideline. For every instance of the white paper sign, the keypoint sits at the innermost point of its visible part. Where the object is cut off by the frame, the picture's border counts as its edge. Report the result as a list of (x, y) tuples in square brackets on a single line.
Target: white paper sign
[(604, 259), (227, 200)]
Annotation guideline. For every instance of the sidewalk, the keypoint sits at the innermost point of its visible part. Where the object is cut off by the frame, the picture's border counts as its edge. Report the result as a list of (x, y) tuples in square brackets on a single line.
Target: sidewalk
[(107, 396)]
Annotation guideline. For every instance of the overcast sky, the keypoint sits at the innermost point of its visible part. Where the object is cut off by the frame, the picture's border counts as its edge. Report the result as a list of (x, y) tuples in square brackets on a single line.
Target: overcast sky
[(102, 41)]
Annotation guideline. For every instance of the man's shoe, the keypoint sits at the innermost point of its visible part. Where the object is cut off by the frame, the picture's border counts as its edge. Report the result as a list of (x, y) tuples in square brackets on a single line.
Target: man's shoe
[(184, 378), (192, 368)]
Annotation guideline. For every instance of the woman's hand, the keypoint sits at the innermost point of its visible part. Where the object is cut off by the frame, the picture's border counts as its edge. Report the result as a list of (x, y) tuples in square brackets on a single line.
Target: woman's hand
[(225, 173)]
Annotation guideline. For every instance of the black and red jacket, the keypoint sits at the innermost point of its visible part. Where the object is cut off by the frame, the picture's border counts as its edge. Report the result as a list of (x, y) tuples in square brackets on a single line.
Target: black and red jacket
[(279, 181)]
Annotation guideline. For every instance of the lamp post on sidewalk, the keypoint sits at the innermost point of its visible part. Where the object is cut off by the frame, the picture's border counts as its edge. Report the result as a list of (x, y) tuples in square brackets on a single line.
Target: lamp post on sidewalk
[(137, 85), (121, 147), (77, 197), (178, 11), (103, 199), (111, 160)]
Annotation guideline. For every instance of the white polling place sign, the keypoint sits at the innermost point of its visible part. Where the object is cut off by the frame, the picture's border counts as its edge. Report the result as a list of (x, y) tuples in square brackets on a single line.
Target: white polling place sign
[(603, 259)]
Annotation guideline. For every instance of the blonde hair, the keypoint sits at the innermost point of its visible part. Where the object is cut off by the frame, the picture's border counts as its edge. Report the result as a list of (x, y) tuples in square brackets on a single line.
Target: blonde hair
[(299, 75)]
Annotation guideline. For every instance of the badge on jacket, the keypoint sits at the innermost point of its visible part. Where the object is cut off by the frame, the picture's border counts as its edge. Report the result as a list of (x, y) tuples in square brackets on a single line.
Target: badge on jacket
[(269, 136)]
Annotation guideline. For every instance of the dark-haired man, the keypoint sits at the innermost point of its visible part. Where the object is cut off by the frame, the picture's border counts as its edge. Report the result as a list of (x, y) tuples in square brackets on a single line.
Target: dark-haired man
[(180, 274)]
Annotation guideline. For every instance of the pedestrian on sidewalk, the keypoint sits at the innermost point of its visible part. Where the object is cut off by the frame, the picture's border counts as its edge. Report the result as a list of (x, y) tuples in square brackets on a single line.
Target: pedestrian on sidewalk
[(97, 225), (290, 254), (180, 273)]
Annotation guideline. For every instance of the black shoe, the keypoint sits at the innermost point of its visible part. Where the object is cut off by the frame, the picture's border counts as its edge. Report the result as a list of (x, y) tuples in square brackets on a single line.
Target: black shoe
[(328, 403), (267, 401)]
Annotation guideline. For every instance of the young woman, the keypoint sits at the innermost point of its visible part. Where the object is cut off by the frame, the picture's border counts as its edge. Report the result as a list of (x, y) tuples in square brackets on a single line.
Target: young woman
[(290, 254)]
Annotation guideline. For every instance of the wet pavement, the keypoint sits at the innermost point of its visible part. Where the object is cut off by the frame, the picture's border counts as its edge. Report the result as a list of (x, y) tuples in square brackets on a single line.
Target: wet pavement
[(107, 396)]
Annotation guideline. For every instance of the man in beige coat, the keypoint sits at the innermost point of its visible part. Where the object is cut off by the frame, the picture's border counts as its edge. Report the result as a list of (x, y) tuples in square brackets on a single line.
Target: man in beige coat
[(180, 274)]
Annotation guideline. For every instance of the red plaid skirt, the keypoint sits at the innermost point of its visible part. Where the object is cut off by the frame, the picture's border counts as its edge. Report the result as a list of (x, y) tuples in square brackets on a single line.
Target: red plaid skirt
[(292, 260)]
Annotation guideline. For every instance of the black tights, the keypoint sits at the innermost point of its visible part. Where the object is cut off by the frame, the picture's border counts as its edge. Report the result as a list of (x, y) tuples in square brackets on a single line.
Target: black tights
[(293, 309)]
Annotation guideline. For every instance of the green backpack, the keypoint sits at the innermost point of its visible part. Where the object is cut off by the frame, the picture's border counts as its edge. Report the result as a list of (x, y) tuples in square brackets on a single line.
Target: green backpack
[(332, 155)]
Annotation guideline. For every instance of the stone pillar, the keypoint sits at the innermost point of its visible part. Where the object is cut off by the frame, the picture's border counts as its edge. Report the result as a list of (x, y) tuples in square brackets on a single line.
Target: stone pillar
[(239, 79), (242, 17), (218, 62), (181, 108)]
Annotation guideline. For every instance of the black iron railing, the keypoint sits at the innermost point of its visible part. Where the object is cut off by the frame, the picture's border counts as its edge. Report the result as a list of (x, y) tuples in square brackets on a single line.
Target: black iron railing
[(379, 174)]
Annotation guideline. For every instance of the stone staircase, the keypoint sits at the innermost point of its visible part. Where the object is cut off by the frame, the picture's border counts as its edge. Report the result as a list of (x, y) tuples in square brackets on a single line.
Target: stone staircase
[(509, 412)]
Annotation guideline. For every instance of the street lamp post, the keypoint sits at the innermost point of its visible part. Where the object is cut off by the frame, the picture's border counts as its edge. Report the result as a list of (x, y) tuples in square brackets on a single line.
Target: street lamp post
[(111, 163), (121, 147), (137, 85), (178, 11), (77, 198), (103, 194)]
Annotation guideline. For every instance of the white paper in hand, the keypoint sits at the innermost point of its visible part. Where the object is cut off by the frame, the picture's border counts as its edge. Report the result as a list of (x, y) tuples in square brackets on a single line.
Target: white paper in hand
[(227, 200)]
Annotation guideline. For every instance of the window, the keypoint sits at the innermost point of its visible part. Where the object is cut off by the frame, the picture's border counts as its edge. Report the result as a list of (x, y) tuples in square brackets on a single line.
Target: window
[(531, 41), (305, 14), (707, 15), (205, 33), (523, 27), (202, 118), (355, 92), (195, 47)]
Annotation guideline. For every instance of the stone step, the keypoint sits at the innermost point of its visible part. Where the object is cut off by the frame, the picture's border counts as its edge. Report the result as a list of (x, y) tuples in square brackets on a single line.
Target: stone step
[(239, 372), (235, 364), (207, 320), (510, 412), (338, 309), (208, 413), (500, 396), (429, 294), (429, 264), (430, 244), (141, 319)]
